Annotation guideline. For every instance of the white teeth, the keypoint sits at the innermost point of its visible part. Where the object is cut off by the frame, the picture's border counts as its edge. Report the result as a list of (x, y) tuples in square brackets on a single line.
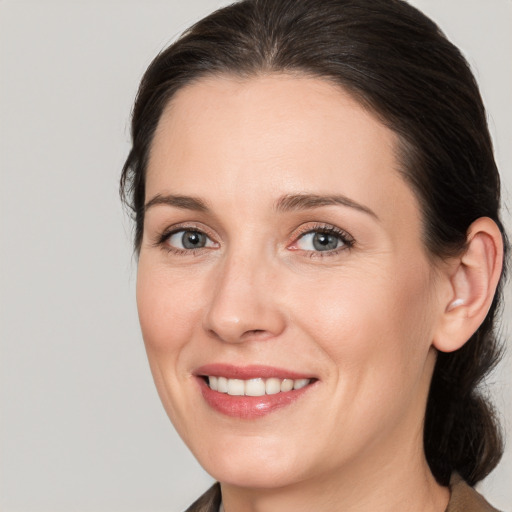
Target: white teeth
[(214, 383), (300, 383), (287, 385), (222, 384), (236, 387), (255, 387), (272, 386)]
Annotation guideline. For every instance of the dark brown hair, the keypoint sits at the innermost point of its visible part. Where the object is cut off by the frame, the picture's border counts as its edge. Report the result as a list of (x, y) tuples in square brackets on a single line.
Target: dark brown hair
[(397, 63)]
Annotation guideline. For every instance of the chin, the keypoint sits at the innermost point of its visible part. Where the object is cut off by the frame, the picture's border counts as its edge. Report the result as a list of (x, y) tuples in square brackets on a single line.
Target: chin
[(252, 474), (253, 463)]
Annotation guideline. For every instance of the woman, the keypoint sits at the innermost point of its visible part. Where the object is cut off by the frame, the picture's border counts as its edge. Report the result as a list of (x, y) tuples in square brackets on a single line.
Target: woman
[(320, 256)]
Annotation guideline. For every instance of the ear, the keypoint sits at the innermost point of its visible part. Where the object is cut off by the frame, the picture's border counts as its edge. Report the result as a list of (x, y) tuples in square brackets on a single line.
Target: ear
[(472, 280)]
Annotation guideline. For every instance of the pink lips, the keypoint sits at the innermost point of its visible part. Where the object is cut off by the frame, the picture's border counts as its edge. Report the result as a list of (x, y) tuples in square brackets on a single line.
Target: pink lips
[(248, 407)]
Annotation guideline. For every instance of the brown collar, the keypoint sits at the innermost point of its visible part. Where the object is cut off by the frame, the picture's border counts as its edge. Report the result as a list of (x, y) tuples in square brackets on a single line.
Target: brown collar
[(465, 499), (208, 502)]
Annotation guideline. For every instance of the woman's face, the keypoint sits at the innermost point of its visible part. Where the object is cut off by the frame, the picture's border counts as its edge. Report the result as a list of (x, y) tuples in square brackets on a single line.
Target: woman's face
[(282, 248)]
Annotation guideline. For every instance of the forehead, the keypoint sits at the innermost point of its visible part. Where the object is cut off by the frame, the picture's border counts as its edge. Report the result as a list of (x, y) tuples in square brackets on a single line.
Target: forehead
[(275, 134)]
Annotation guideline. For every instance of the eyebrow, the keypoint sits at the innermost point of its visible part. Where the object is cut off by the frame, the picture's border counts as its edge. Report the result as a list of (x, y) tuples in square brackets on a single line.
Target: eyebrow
[(288, 202), (178, 201), (292, 202)]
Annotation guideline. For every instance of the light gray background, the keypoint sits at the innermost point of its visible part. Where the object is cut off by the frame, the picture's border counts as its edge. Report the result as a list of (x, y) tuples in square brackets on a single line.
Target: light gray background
[(81, 425)]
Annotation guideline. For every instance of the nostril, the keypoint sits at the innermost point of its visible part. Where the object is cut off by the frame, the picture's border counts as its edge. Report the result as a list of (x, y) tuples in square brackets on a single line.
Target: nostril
[(256, 334)]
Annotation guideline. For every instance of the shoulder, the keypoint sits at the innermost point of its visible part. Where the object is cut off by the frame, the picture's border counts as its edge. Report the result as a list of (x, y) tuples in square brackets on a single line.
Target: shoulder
[(208, 502), (465, 499)]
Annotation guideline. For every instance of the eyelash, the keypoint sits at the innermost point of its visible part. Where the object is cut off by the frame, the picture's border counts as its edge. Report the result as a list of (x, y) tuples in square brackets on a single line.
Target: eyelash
[(346, 239), (162, 239)]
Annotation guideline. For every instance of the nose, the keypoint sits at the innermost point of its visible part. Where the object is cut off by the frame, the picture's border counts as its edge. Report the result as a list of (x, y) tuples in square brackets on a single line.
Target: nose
[(244, 303)]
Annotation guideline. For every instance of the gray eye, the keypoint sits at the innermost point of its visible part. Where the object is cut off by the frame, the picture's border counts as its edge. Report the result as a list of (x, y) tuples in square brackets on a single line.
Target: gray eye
[(319, 241), (325, 241), (189, 239)]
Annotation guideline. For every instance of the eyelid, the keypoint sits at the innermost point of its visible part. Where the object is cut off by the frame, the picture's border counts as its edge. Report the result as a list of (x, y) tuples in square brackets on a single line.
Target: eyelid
[(162, 237), (347, 239)]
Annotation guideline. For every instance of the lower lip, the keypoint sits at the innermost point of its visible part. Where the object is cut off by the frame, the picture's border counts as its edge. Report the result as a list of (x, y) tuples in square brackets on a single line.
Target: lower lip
[(249, 407)]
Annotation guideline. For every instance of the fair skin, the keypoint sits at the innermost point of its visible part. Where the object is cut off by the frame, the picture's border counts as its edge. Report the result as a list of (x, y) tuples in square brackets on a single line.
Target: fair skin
[(338, 291)]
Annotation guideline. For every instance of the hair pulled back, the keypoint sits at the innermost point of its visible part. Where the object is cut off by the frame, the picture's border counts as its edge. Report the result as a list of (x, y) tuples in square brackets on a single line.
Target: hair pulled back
[(397, 63)]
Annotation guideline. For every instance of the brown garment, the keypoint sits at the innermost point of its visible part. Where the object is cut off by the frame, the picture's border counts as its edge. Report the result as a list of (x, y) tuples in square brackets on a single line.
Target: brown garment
[(463, 499), (208, 502)]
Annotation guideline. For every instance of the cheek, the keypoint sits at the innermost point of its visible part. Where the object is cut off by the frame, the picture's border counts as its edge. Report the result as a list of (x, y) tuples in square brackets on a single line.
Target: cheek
[(168, 315), (375, 326), (167, 308)]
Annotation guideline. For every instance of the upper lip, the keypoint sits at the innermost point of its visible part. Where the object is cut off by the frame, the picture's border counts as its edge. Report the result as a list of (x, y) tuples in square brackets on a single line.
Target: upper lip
[(231, 371)]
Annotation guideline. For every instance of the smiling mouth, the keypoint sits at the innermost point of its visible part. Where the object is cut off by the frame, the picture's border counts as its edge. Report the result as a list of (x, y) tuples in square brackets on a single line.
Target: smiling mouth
[(253, 391), (254, 387)]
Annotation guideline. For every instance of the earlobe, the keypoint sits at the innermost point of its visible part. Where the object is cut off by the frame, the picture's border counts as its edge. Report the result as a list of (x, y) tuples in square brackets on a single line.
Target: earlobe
[(473, 280)]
